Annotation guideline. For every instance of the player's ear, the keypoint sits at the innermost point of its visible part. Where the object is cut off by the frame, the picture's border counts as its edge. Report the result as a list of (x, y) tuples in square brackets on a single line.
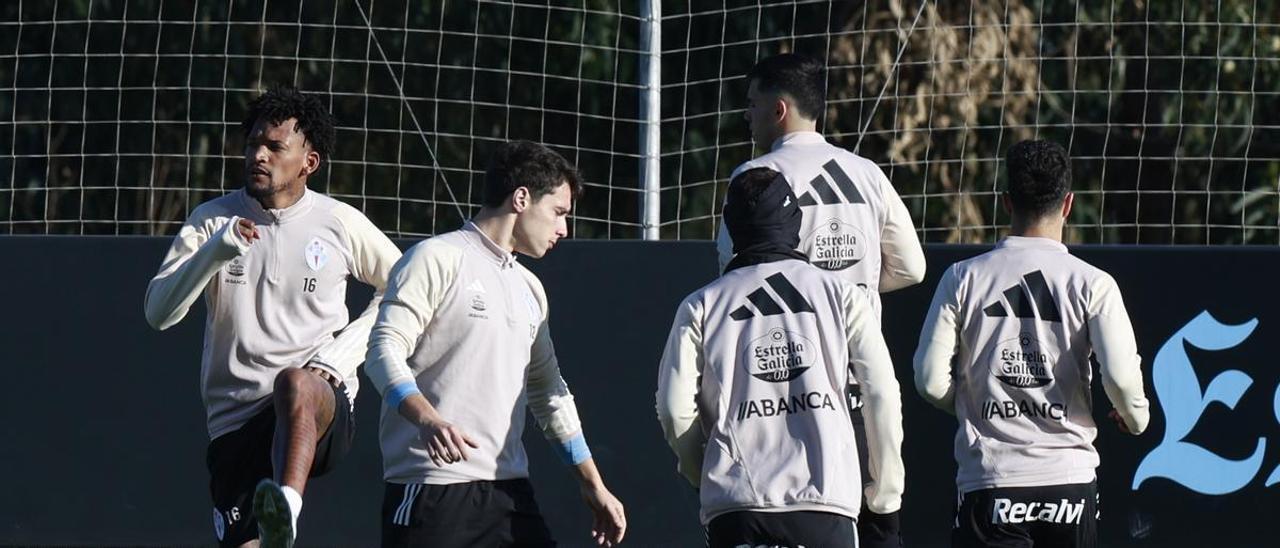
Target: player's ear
[(311, 163), (1067, 200), (780, 109), (520, 199)]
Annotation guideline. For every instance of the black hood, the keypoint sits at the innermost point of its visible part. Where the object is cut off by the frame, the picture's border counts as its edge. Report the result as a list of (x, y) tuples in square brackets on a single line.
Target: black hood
[(763, 218)]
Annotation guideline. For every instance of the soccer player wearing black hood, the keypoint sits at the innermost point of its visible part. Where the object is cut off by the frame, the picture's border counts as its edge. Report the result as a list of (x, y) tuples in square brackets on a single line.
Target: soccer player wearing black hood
[(751, 387), (855, 224)]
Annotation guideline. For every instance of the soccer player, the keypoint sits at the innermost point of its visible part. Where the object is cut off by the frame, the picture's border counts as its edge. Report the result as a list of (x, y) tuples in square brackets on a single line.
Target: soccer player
[(751, 387), (278, 370), (1006, 348), (460, 349), (854, 224)]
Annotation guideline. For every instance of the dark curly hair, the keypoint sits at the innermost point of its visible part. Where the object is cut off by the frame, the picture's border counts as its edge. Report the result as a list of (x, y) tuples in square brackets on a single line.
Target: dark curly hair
[(527, 164), (1039, 177), (797, 75), (283, 102)]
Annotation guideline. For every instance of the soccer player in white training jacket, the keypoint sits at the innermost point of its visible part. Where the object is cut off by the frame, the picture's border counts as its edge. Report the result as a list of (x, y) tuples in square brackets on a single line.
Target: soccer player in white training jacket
[(278, 371), (855, 224), (460, 348), (1006, 348), (751, 387)]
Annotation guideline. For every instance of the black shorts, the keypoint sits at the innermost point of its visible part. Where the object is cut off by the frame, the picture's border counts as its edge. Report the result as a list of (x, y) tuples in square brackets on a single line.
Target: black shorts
[(478, 513), (781, 529), (239, 459), (1048, 516)]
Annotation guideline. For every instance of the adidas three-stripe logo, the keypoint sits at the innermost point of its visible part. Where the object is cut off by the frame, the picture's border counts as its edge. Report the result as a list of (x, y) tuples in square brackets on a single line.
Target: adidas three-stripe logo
[(764, 302), (405, 510), (826, 193), (1021, 301)]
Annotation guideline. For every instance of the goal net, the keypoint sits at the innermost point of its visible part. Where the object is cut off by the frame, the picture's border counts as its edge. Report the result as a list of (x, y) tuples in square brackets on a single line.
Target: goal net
[(118, 117), (1164, 106)]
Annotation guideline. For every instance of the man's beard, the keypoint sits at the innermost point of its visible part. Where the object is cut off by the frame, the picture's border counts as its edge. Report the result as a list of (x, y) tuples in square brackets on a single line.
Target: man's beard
[(263, 191)]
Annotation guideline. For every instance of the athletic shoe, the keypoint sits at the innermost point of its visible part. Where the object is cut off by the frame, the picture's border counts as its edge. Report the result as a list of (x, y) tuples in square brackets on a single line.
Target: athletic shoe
[(275, 519)]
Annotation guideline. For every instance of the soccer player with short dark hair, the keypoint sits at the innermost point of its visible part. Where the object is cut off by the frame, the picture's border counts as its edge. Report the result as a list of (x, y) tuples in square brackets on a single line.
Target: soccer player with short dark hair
[(460, 349), (752, 383), (1006, 348), (855, 224), (278, 370)]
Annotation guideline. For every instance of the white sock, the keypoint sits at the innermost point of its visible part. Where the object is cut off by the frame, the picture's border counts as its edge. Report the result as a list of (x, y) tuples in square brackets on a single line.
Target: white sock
[(295, 504)]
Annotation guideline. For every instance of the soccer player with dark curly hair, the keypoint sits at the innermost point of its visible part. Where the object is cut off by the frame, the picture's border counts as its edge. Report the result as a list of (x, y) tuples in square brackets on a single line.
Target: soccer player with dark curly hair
[(1006, 348), (278, 371)]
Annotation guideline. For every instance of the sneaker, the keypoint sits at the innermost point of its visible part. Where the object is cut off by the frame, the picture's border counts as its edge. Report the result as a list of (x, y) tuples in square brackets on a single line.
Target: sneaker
[(275, 519)]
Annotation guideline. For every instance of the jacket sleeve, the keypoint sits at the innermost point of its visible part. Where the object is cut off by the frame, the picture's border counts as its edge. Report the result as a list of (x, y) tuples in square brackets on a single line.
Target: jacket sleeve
[(1111, 334), (679, 373), (937, 346), (203, 245), (902, 261), (416, 286), (549, 398), (882, 398)]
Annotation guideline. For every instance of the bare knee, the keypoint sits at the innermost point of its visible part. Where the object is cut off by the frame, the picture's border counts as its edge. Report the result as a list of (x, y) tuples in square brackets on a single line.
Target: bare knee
[(295, 386)]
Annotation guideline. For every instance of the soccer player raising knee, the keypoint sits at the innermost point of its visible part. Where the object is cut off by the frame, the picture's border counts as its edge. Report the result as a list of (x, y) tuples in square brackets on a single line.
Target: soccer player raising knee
[(279, 362)]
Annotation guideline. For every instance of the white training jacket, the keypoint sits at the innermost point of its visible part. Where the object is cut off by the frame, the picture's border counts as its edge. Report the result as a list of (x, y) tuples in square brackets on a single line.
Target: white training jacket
[(854, 223), (751, 394), (468, 324), (274, 303), (1006, 347)]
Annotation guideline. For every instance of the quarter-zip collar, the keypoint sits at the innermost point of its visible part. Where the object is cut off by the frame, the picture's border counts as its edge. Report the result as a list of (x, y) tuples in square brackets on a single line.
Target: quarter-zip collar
[(283, 215), (477, 238)]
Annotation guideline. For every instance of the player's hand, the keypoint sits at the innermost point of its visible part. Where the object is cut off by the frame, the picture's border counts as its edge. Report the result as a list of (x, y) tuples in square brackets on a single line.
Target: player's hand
[(446, 443), (879, 530), (247, 230), (1115, 416), (609, 523)]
